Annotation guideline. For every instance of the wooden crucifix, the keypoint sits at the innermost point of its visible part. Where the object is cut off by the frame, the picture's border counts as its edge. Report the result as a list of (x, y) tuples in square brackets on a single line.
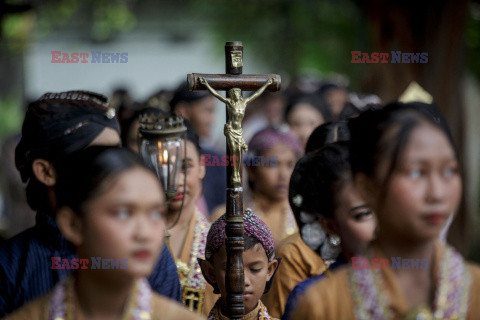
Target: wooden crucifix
[(234, 82)]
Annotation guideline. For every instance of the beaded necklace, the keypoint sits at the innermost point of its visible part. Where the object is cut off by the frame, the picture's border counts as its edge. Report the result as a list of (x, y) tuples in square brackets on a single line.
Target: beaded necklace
[(451, 295), (62, 306), (192, 272)]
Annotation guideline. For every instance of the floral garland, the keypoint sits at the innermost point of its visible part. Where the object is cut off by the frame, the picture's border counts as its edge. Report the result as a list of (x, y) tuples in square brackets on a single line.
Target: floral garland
[(62, 307), (451, 296), (216, 313), (193, 272)]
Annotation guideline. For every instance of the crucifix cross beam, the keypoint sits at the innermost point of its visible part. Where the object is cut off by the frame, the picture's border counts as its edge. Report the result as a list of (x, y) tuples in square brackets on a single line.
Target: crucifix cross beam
[(225, 82), (234, 83)]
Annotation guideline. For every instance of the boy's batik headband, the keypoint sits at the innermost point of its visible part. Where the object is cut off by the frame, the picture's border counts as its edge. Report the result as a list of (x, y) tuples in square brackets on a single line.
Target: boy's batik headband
[(254, 227)]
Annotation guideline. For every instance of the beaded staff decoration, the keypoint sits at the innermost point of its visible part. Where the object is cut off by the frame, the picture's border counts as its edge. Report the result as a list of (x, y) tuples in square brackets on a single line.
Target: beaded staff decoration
[(193, 283)]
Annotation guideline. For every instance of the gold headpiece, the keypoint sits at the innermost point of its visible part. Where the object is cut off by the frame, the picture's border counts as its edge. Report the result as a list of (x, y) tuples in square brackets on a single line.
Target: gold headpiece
[(415, 92)]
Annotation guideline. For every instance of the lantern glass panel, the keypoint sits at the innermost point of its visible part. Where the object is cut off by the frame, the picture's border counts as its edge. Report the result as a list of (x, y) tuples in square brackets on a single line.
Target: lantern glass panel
[(165, 157)]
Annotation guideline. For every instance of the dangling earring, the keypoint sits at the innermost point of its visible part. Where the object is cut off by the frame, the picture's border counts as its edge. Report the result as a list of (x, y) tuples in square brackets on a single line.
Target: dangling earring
[(331, 248), (334, 240)]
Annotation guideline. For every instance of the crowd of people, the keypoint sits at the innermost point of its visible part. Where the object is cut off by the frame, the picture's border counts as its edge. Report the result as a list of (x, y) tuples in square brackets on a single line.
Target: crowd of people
[(347, 222)]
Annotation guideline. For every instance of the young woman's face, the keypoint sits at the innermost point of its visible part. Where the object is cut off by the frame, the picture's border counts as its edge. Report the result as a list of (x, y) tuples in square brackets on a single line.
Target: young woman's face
[(303, 119), (195, 173), (201, 114), (354, 220), (258, 271), (126, 222), (336, 99), (272, 181), (425, 190)]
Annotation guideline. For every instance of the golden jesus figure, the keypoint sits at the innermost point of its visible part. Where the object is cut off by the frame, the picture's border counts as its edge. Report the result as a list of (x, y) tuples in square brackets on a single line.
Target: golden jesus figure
[(233, 128)]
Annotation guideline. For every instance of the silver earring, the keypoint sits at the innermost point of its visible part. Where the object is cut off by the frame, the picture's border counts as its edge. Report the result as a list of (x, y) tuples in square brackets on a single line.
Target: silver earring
[(334, 240), (331, 248)]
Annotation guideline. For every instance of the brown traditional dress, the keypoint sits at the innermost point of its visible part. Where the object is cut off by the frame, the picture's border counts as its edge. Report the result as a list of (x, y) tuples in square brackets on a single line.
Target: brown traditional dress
[(299, 262), (161, 309), (340, 297)]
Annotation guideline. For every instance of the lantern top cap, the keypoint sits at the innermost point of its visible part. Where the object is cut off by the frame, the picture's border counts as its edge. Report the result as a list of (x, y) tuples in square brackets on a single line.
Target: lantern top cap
[(159, 124)]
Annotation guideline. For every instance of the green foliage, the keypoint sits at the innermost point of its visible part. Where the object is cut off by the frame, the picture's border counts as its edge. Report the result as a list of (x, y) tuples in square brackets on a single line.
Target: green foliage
[(102, 19), (105, 19), (16, 31), (54, 14), (290, 36), (111, 18), (472, 38), (11, 116)]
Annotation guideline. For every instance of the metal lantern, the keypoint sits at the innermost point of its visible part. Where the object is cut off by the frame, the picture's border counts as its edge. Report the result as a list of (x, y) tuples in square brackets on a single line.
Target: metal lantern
[(160, 144)]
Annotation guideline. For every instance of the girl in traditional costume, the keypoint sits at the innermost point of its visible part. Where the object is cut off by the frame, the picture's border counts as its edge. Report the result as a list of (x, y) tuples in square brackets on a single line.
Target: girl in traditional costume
[(57, 125), (334, 221), (258, 260), (304, 113), (268, 184), (405, 163), (187, 230), (111, 208), (270, 161)]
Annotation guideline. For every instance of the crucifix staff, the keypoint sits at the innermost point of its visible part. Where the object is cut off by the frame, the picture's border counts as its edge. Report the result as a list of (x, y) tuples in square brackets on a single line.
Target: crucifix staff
[(234, 82)]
